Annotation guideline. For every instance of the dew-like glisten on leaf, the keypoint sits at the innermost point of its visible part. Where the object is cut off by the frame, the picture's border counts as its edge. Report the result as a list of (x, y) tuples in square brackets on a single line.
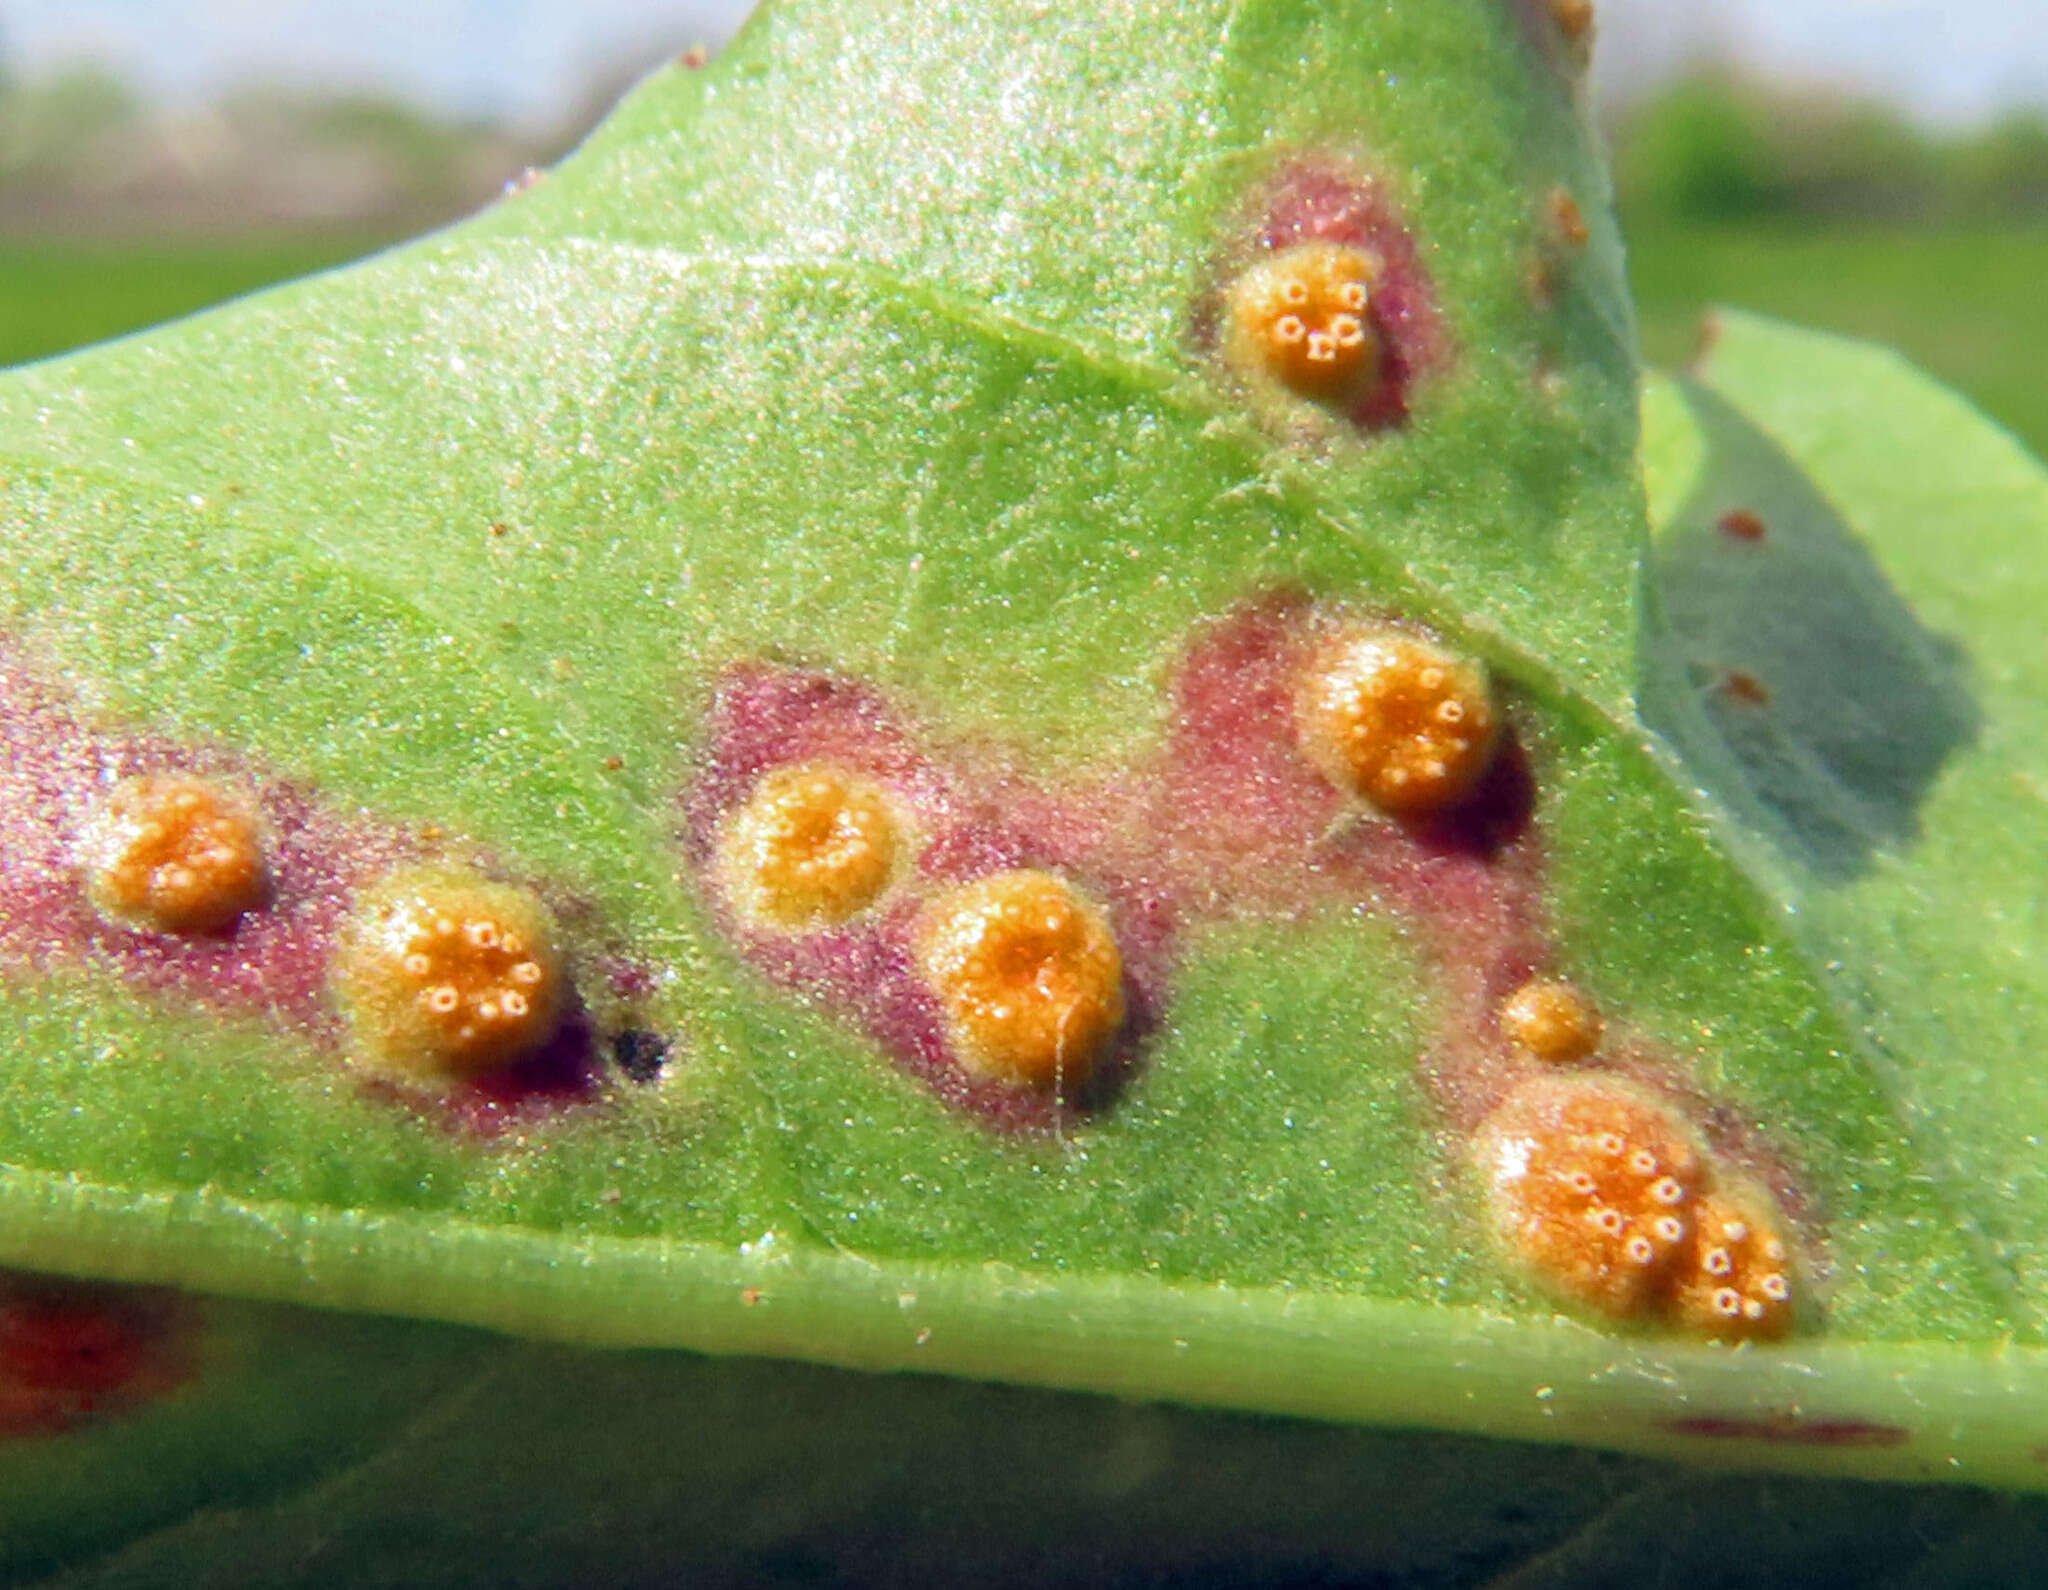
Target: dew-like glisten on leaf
[(862, 401)]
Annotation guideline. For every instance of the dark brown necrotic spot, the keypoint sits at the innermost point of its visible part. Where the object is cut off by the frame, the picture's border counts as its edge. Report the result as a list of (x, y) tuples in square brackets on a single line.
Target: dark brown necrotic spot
[(1789, 1429), (640, 1055)]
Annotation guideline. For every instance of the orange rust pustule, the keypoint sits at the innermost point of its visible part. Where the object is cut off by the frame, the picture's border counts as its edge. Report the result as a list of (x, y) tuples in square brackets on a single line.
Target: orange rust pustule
[(1592, 1187), (445, 974), (1552, 1019), (1395, 718), (1029, 977), (175, 853), (1736, 1280), (812, 846), (1302, 319)]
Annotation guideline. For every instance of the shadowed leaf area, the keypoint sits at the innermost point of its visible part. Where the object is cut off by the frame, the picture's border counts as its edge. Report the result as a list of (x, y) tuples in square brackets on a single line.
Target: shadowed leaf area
[(1835, 705), (954, 705)]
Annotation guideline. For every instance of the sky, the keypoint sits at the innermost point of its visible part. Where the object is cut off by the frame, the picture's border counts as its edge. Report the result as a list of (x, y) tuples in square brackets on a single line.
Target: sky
[(1949, 61)]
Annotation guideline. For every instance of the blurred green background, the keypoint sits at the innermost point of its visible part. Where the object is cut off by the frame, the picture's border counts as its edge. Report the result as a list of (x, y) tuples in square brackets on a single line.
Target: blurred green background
[(1819, 207)]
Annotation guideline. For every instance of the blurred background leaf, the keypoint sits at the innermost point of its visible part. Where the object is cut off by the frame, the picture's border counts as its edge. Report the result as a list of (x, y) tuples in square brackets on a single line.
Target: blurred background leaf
[(1888, 180)]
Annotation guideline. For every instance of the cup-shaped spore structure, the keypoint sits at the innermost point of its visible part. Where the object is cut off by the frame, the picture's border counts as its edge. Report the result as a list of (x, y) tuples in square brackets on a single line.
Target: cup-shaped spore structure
[(1552, 1019), (1028, 975), (175, 853), (1391, 716), (1592, 1188), (444, 974), (812, 846), (1302, 319), (1736, 1282)]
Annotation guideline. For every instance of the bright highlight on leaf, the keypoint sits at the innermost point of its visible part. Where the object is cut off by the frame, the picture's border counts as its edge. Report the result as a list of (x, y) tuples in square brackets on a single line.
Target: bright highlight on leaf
[(812, 846), (1397, 719), (444, 975), (1552, 1019), (175, 853), (1029, 976)]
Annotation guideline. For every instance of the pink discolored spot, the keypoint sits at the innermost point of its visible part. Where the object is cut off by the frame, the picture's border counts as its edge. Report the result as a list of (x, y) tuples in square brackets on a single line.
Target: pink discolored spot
[(1229, 819), (273, 962), (1318, 200), (73, 1350), (1790, 1429), (963, 827)]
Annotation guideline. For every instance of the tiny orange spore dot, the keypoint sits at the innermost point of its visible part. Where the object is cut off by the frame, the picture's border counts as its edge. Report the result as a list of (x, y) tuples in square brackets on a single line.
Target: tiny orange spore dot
[(1736, 1281), (443, 974), (1741, 524), (1552, 1019), (1302, 318), (812, 846), (1574, 18), (1395, 718), (175, 853), (1591, 1186), (1028, 974), (1567, 220)]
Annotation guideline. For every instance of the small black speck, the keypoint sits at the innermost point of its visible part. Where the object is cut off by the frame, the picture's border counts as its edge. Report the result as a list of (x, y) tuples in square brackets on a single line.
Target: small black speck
[(641, 1055)]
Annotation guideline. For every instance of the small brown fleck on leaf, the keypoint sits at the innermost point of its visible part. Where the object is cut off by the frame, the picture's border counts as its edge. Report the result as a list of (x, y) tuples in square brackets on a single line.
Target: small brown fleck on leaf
[(1740, 524), (1574, 18), (613, 764), (1744, 686), (1567, 220)]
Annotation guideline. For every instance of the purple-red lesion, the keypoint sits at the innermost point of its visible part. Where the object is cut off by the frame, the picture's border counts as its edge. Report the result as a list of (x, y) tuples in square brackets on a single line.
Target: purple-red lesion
[(963, 825), (273, 963), (71, 1351), (1319, 209), (1227, 819), (1790, 1429), (1241, 812)]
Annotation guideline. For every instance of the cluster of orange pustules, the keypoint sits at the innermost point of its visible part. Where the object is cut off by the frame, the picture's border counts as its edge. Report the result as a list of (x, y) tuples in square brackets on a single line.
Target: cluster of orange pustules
[(444, 974), (1602, 1192), (175, 853), (1301, 319), (1024, 970), (1389, 715)]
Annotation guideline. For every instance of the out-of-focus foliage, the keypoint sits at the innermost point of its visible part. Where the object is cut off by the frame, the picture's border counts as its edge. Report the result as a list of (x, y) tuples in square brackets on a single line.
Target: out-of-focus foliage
[(1717, 147)]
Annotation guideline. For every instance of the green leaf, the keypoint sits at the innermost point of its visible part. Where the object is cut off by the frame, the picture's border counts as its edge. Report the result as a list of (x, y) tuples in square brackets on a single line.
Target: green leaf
[(881, 348), (1893, 611)]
